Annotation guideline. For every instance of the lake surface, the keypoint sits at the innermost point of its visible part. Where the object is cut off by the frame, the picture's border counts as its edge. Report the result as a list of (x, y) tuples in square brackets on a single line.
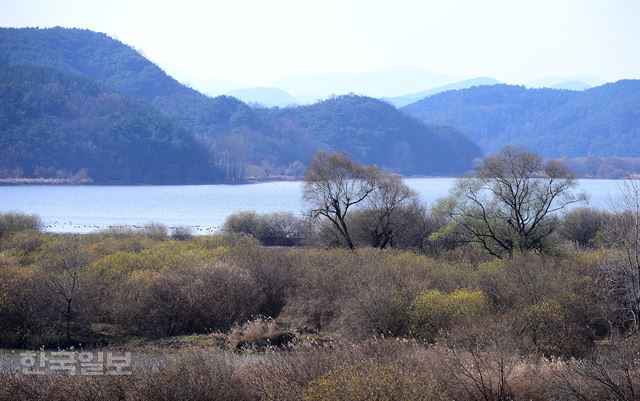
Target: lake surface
[(202, 207)]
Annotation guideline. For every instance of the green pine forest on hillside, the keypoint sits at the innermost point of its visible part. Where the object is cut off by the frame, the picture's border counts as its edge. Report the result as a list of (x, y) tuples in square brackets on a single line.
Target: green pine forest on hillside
[(78, 104), (238, 140), (603, 121), (60, 125)]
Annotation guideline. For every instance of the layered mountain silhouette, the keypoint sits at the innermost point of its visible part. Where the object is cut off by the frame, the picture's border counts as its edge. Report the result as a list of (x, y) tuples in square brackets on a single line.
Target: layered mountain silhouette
[(79, 102), (165, 123), (267, 97), (401, 101)]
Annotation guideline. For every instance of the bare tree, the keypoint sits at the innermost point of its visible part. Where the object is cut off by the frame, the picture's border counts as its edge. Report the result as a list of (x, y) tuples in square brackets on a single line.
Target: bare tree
[(482, 365), (333, 185), (232, 151), (385, 206), (511, 202), (620, 278), (63, 266), (612, 371)]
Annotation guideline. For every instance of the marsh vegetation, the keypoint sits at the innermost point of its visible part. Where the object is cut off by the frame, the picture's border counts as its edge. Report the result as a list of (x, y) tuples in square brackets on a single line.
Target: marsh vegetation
[(435, 314)]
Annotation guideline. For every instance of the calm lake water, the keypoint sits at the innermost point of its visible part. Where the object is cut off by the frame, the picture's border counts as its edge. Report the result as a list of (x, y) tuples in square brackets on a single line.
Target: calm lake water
[(202, 207)]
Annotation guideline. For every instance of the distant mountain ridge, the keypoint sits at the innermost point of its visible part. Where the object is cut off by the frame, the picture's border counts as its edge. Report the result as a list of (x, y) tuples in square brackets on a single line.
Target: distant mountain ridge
[(565, 82), (401, 101), (238, 140), (572, 85), (601, 121), (268, 97), (385, 83)]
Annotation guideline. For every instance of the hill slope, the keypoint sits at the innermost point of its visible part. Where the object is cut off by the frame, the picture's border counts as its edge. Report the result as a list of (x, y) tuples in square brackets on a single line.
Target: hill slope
[(373, 131), (601, 121), (57, 124), (237, 137), (111, 63)]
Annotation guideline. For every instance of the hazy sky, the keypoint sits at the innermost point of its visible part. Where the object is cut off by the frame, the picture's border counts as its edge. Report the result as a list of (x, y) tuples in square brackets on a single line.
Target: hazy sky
[(257, 42)]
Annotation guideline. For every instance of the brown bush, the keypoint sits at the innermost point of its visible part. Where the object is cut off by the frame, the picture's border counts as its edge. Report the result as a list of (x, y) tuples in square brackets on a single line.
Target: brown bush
[(251, 332), (274, 272), (481, 361), (16, 221), (27, 315), (190, 375), (611, 372), (341, 370), (363, 293), (558, 327), (370, 379), (581, 226), (282, 229), (188, 300)]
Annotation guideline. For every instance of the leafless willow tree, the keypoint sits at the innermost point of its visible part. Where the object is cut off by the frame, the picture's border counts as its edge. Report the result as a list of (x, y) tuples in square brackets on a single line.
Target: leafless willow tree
[(386, 208), (334, 184), (511, 202), (620, 277), (63, 266)]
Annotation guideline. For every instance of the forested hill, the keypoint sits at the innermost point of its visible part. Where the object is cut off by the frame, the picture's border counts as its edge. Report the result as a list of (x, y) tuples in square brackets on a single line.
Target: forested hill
[(239, 140), (61, 125), (110, 62), (601, 121), (375, 132)]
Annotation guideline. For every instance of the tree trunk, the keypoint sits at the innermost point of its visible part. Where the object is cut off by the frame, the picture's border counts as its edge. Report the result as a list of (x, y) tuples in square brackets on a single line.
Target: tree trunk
[(68, 320)]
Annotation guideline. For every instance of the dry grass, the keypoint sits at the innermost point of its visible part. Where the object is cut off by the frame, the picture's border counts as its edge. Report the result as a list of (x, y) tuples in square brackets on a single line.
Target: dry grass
[(343, 371)]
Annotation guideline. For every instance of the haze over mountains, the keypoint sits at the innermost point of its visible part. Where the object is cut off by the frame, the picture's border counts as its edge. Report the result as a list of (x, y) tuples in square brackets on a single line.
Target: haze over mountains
[(400, 101), (236, 137), (261, 96), (578, 82), (77, 102), (378, 84), (395, 86)]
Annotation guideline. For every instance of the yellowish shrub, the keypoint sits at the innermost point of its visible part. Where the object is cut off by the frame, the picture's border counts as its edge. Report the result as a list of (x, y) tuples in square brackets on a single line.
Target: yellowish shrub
[(372, 380), (433, 311), (558, 327)]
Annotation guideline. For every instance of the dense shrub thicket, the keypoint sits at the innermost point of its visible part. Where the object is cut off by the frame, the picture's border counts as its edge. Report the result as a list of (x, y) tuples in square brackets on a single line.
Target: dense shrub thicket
[(58, 290), (451, 322), (14, 221), (285, 229)]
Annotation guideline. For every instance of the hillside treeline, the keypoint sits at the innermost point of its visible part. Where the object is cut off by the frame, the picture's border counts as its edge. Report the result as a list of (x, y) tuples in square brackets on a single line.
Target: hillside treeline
[(105, 112)]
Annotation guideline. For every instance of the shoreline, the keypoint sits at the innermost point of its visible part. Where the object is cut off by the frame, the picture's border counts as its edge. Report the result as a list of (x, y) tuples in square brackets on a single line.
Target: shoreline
[(17, 182), (45, 181)]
